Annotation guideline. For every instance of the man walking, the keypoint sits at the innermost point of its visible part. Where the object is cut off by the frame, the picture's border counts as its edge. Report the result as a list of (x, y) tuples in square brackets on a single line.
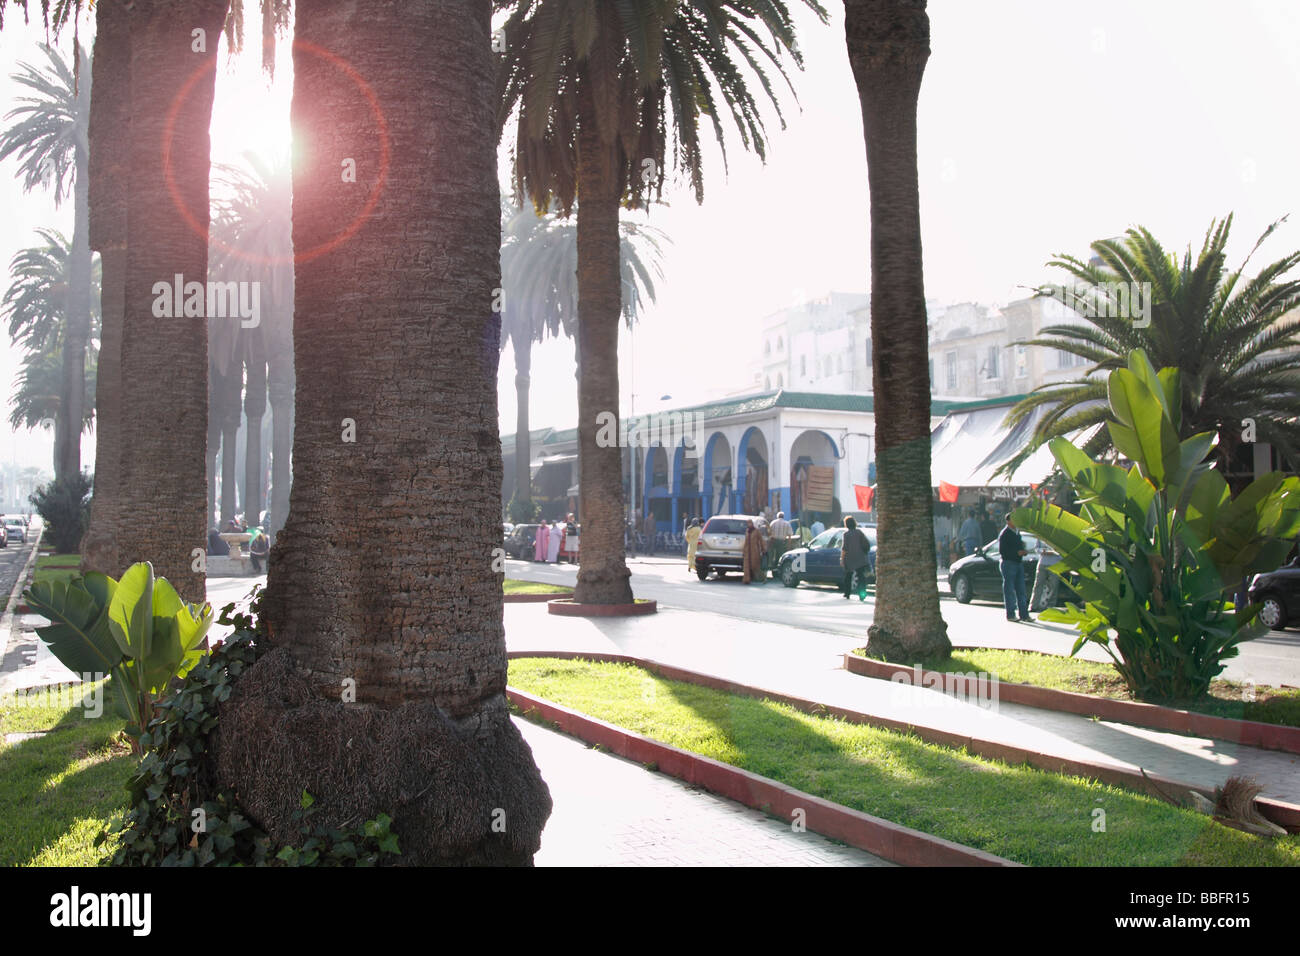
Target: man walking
[(1011, 548), (855, 557), (649, 528), (781, 532), (970, 533)]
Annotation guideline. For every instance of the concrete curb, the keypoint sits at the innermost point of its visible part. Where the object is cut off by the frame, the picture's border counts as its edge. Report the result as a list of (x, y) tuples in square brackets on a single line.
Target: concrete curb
[(1284, 814), (533, 598), (567, 607), (11, 607), (888, 840), (1252, 733)]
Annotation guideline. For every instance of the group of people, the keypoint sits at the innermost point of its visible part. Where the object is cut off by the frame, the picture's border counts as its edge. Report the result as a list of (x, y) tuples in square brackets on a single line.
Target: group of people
[(551, 539), (259, 544)]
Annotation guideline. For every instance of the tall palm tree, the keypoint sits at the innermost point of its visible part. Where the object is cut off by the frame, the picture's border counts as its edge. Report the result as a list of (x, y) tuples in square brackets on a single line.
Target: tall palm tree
[(539, 276), (381, 583), (600, 88), (49, 137), (1236, 340), (889, 44), (36, 307)]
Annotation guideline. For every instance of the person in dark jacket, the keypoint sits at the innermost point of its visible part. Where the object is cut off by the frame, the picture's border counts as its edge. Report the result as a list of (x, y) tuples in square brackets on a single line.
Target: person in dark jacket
[(855, 556), (216, 546), (1011, 549)]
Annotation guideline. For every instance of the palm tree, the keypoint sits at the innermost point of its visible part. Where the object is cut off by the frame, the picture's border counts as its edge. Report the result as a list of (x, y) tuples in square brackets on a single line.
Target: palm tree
[(599, 88), (889, 44), (539, 275), (1235, 339), (381, 583), (49, 137), (36, 308)]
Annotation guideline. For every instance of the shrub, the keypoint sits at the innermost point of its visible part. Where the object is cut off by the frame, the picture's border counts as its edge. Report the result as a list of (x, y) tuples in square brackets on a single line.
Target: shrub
[(1155, 550), (64, 506), (523, 510)]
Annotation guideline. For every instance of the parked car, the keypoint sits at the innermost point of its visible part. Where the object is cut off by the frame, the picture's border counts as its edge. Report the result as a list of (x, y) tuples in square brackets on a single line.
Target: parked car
[(506, 528), (721, 547), (15, 530), (1279, 592), (820, 560), (520, 542), (979, 575)]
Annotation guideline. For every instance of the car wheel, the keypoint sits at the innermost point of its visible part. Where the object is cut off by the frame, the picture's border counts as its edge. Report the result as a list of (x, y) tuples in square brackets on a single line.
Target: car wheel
[(961, 589), (701, 573), (1272, 614), (788, 577)]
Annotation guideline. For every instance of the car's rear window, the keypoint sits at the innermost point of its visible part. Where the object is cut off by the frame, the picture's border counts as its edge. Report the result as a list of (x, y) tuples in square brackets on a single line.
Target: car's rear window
[(725, 526)]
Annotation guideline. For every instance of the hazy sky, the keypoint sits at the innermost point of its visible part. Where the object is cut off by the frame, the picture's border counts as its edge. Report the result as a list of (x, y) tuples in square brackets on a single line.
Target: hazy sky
[(1043, 126)]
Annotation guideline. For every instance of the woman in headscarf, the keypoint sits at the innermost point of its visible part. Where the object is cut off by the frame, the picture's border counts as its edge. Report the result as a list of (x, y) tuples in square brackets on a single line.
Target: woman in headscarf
[(692, 540), (753, 563), (539, 542)]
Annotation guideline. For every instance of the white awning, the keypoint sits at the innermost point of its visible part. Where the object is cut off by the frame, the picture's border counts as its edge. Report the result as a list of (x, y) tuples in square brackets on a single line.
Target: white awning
[(968, 447)]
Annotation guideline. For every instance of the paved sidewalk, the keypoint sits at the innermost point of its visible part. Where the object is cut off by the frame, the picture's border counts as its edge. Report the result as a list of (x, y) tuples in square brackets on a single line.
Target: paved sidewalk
[(809, 664), (612, 812)]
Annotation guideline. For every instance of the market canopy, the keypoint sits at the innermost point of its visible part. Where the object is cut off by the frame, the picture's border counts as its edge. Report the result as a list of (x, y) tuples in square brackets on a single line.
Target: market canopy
[(967, 447)]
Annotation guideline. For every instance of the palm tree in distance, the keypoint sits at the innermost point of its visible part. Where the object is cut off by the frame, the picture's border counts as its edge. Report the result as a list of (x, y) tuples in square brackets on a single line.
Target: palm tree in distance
[(49, 139), (539, 276), (36, 307), (599, 90), (1236, 340)]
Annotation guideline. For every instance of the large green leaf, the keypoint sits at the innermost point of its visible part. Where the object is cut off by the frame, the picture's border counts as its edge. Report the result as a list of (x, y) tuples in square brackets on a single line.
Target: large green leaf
[(130, 613), (78, 633)]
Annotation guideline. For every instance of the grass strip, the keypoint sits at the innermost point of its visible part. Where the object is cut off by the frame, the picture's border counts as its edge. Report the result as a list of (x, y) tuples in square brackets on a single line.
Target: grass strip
[(59, 790), (514, 586), (1018, 812), (1268, 705)]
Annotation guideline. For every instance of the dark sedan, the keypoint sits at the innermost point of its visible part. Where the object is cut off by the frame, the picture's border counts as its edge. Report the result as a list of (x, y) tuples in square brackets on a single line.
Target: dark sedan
[(820, 561), (520, 542), (1279, 593), (979, 575)]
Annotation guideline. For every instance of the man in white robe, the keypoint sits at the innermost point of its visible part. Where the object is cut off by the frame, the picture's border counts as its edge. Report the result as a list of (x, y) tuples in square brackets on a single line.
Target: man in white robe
[(553, 544)]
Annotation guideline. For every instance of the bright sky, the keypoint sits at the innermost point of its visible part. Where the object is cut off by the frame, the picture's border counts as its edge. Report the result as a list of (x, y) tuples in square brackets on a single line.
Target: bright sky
[(1043, 126)]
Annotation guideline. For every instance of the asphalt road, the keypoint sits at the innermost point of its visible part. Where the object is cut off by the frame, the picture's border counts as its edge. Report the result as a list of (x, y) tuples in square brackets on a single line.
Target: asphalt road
[(12, 560), (1273, 659)]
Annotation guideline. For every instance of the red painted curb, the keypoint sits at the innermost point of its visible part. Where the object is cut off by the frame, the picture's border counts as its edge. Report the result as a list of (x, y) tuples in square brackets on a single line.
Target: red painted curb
[(1253, 733), (566, 607), (1284, 814), (531, 598), (891, 841)]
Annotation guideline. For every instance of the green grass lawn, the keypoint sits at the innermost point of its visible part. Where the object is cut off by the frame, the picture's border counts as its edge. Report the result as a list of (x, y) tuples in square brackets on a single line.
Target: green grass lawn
[(1271, 705), (1017, 812), (47, 559), (57, 792), (513, 586)]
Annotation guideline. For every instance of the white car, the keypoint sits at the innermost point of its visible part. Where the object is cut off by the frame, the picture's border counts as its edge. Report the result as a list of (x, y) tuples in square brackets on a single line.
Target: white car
[(15, 530)]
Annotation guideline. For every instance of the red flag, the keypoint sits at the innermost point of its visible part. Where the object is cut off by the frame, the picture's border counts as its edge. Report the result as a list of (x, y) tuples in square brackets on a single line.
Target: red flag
[(864, 494), (948, 492)]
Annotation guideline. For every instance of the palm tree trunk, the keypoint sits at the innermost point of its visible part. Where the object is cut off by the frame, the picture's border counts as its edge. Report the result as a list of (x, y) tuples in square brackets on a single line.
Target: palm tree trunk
[(602, 571), (889, 43), (523, 446), (76, 330), (108, 168), (281, 387), (254, 409), (162, 359), (381, 583)]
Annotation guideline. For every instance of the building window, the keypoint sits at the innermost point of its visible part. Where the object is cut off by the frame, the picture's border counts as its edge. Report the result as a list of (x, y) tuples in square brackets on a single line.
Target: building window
[(828, 365), (780, 380), (767, 348), (1022, 361), (952, 371), (780, 343), (991, 365), (803, 365), (767, 383)]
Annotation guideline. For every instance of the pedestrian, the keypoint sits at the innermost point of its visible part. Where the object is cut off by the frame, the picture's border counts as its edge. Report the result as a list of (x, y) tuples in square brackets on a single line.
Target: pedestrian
[(649, 527), (554, 542), (1046, 584), (817, 527), (970, 533), (540, 541), (855, 557), (258, 548), (1011, 549), (630, 532), (988, 527), (752, 565), (692, 540), (217, 547), (781, 532)]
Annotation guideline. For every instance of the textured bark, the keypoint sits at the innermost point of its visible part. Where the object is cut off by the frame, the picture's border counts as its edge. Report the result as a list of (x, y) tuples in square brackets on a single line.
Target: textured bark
[(280, 376), (888, 44), (381, 580), (603, 576), (523, 345), (107, 174), (76, 330)]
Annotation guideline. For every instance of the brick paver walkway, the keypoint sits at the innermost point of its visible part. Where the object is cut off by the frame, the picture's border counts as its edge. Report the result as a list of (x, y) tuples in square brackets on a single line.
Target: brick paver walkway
[(612, 812)]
